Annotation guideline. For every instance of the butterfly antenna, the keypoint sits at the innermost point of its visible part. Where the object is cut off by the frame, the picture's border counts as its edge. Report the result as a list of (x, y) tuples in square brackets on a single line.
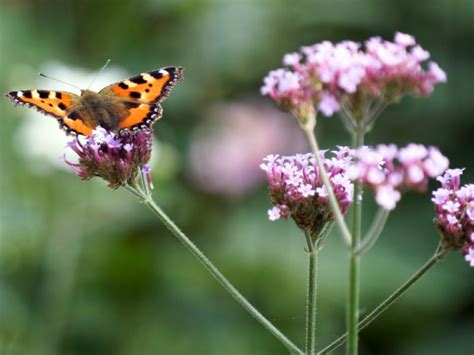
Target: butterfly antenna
[(98, 73), (60, 81)]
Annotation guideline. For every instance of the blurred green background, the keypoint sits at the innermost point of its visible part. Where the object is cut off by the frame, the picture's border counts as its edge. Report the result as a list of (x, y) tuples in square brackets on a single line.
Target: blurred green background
[(88, 270)]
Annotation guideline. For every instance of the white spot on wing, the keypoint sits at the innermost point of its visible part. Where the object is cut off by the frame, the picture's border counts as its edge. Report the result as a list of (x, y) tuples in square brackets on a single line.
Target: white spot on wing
[(147, 77), (35, 94), (19, 93), (164, 72), (130, 84)]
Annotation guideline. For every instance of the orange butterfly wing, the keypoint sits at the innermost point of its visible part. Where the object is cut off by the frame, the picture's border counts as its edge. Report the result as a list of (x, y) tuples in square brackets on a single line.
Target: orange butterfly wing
[(53, 103), (140, 115), (148, 88)]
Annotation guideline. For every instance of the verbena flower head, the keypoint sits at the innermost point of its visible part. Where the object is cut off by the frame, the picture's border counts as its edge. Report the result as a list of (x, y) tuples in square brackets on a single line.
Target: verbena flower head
[(297, 191), (346, 75), (389, 171), (115, 158), (454, 206)]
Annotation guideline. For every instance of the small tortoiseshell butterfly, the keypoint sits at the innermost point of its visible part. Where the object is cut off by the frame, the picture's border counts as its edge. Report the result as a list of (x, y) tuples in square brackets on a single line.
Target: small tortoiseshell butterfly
[(130, 104)]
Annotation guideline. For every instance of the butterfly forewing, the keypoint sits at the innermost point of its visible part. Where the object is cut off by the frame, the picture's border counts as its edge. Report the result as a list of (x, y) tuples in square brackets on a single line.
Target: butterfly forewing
[(54, 103), (150, 87)]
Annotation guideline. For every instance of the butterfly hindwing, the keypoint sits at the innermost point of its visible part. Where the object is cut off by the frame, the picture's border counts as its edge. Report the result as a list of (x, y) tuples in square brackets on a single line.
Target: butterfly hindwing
[(150, 87), (54, 103), (140, 115), (75, 126)]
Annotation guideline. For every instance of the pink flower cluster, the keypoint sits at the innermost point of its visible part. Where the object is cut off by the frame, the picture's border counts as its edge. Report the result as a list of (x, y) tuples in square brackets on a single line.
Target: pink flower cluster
[(296, 188), (115, 158), (330, 75), (389, 170), (454, 206)]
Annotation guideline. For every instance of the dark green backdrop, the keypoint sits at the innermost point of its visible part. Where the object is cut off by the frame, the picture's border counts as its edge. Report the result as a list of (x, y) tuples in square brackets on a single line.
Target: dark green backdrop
[(87, 270)]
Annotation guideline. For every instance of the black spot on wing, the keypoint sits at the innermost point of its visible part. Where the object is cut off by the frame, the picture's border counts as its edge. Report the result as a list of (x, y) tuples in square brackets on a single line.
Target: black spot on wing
[(156, 74), (123, 86), (43, 94), (138, 79), (62, 106), (135, 94), (59, 95), (26, 94)]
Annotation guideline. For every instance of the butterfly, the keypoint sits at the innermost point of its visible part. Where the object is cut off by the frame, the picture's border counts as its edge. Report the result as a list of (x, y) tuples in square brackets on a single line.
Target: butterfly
[(131, 104)]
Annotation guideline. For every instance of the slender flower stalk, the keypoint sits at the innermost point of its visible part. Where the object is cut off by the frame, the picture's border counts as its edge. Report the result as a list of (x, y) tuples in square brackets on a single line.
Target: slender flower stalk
[(332, 198), (146, 199), (435, 259), (311, 295), (354, 259), (314, 245), (374, 231)]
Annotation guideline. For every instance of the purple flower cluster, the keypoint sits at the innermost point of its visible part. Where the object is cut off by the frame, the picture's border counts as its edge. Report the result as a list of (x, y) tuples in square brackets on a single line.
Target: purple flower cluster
[(115, 158), (454, 206), (346, 74), (296, 188), (389, 170)]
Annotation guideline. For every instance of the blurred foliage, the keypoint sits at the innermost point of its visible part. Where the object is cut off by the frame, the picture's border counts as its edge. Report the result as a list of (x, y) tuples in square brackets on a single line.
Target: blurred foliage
[(87, 270)]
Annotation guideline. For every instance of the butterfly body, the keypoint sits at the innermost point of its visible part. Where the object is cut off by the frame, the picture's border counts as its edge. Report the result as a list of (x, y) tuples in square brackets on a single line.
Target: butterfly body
[(99, 110), (130, 104)]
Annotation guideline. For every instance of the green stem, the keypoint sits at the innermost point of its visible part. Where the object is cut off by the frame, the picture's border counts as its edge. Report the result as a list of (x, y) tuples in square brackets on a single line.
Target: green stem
[(437, 257), (332, 198), (311, 296), (321, 239), (145, 184), (133, 190), (374, 114), (354, 262), (374, 231), (173, 228)]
